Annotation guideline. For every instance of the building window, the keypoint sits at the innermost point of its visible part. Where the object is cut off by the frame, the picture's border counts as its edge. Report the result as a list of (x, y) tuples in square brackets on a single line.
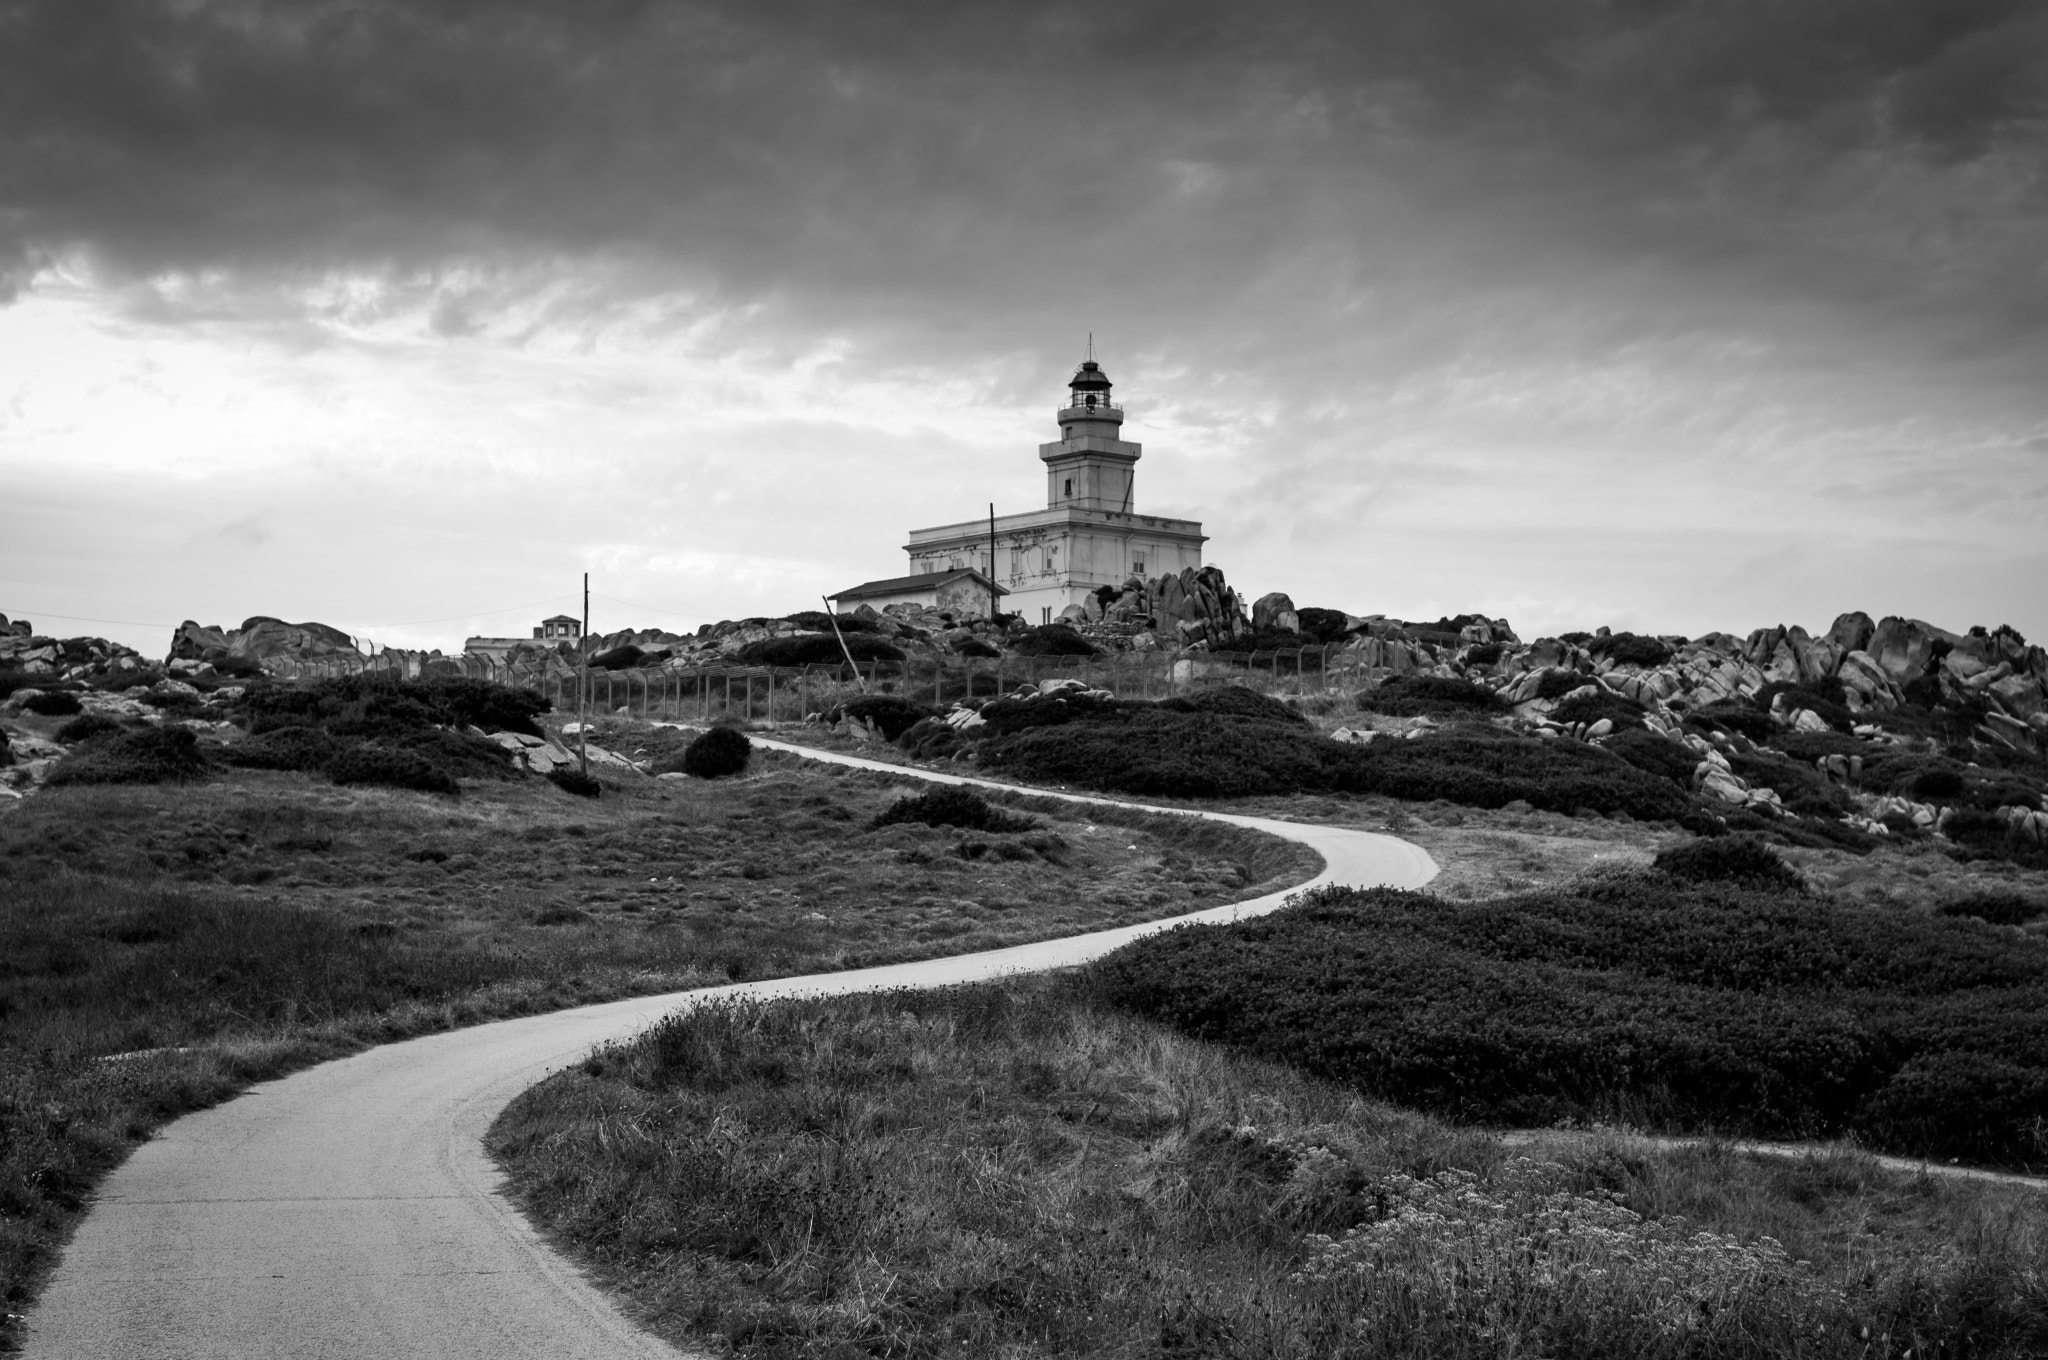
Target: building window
[(1070, 486), (1045, 614), (1137, 566)]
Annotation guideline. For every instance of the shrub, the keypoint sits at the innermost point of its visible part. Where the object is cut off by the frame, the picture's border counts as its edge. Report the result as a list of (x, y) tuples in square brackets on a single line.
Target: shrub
[(818, 621), (10, 681), (1157, 752), (959, 807), (1483, 767), (817, 649), (460, 755), (1627, 649), (53, 703), (891, 714), (1653, 754), (1484, 653), (1052, 639), (1242, 702), (1618, 709), (1006, 715), (975, 647), (85, 727), (930, 739), (1824, 697), (389, 767), (1324, 625), (1979, 834), (1999, 906), (375, 706), (1411, 696), (1734, 716), (720, 752), (1730, 859), (1686, 1004), (1936, 786), (574, 781), (285, 748), (1558, 682), (150, 755), (1812, 746), (1802, 788)]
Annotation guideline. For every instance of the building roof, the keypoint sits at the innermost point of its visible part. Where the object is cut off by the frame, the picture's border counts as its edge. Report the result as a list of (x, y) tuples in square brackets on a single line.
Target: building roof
[(562, 618), (929, 580)]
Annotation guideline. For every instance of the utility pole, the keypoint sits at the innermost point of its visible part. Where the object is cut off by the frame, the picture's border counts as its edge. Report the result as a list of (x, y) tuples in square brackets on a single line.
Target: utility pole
[(844, 650), (994, 596), (583, 696)]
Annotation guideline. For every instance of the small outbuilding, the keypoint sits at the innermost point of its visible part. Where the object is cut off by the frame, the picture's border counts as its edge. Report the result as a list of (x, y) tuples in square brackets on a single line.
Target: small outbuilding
[(964, 593)]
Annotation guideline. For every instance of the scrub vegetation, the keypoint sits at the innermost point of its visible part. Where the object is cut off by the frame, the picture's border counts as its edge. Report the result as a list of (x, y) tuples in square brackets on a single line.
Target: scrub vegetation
[(164, 944), (1019, 1169)]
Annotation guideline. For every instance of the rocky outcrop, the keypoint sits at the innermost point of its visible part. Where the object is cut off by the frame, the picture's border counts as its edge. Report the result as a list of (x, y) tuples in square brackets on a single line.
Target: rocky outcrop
[(21, 649), (257, 639)]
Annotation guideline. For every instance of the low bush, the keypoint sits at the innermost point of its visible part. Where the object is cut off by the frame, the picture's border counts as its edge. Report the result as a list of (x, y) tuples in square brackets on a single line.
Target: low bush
[(1671, 1003), (1802, 788), (1558, 682), (976, 648), (1618, 709), (53, 703), (388, 767), (1979, 834), (1482, 767), (930, 739), (149, 755), (1483, 654), (1824, 697), (376, 706), (1324, 625), (85, 727), (959, 807), (10, 681), (1414, 696), (891, 714), (1734, 716), (459, 755), (1628, 649), (1812, 746), (304, 749), (574, 781), (1656, 755), (818, 621), (1156, 752), (818, 649), (1730, 859), (1052, 639), (1008, 714), (1999, 906), (718, 753), (1242, 702)]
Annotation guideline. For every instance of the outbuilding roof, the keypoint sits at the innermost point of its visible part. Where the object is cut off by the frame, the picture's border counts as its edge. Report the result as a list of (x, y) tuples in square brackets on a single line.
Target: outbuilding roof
[(930, 580)]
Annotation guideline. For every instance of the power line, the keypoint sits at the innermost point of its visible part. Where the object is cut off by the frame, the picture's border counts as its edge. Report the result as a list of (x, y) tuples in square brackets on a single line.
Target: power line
[(672, 613), (80, 618)]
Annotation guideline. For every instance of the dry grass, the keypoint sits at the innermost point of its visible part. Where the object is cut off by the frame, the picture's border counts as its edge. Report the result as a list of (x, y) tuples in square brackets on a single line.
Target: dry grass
[(1010, 1171), (228, 931)]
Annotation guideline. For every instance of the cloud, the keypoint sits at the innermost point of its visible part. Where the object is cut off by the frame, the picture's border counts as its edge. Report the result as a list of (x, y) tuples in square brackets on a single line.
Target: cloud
[(1495, 262)]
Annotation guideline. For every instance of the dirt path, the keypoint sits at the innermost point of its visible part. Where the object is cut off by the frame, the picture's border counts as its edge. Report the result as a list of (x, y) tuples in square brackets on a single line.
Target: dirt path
[(350, 1210)]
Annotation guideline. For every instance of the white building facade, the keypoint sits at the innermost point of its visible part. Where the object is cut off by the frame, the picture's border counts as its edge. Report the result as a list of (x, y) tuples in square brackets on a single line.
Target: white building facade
[(1089, 534)]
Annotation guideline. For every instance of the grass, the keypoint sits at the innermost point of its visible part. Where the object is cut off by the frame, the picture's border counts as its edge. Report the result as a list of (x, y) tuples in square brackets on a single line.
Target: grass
[(220, 932), (1012, 1170)]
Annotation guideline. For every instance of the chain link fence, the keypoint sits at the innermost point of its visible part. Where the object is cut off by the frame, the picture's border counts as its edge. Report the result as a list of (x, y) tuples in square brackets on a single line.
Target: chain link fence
[(789, 693)]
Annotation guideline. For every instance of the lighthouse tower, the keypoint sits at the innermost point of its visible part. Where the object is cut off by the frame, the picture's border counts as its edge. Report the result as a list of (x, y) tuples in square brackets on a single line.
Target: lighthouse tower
[(1091, 466), (1043, 563)]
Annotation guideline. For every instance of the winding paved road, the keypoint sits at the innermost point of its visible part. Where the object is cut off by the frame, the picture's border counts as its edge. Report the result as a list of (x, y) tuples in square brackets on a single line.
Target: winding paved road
[(350, 1211)]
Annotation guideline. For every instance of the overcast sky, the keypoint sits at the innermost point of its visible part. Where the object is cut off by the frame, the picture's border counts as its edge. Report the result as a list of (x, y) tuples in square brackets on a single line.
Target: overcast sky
[(400, 315)]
